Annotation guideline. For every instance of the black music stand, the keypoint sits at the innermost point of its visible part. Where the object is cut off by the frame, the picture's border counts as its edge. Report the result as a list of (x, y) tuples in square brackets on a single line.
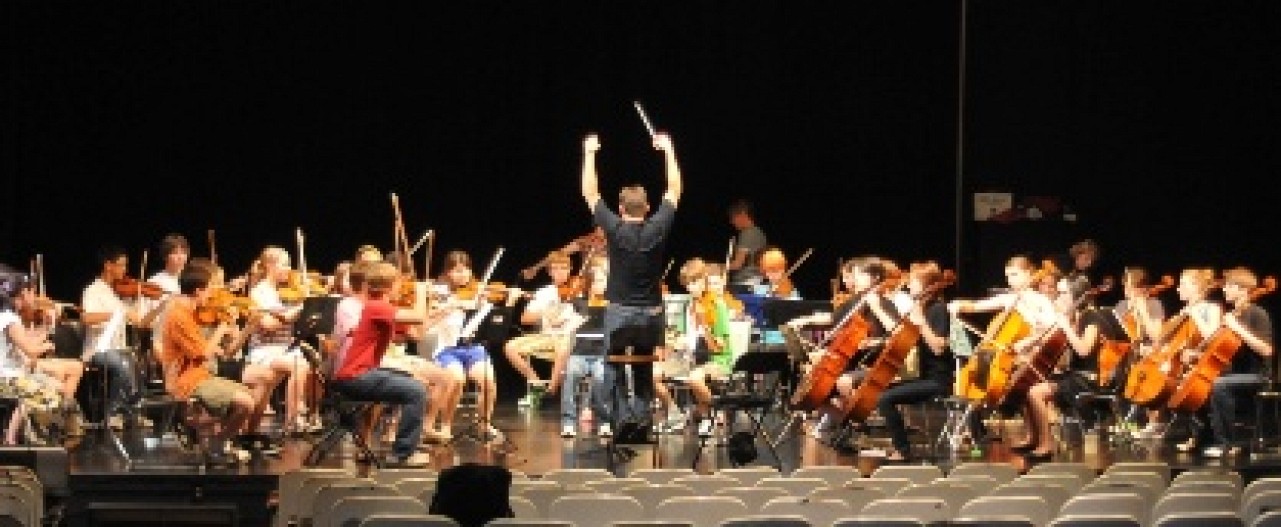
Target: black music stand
[(630, 348), (756, 380)]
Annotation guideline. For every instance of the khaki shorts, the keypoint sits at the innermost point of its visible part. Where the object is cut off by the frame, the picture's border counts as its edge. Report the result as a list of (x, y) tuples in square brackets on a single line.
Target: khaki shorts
[(540, 345), (216, 393)]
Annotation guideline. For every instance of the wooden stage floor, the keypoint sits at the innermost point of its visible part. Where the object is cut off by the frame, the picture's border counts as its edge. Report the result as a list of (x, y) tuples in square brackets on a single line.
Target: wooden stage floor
[(163, 474)]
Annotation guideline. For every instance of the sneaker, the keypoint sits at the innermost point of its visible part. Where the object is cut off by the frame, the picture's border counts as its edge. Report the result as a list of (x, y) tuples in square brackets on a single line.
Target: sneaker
[(415, 460), (525, 401), (821, 428), (493, 435), (568, 431), (1188, 446), (605, 430), (704, 428), (1212, 451)]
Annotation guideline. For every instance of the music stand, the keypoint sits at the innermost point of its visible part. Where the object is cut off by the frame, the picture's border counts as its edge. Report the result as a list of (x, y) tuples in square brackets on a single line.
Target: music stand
[(630, 347), (762, 374)]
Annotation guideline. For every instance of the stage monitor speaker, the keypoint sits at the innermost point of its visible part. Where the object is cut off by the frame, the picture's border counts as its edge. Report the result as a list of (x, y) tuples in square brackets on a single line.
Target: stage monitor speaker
[(142, 514)]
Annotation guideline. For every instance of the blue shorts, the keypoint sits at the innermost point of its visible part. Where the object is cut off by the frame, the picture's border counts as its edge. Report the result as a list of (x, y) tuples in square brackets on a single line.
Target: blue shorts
[(465, 356)]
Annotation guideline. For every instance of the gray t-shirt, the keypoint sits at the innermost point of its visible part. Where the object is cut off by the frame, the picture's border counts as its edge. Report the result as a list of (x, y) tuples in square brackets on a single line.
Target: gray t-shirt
[(752, 240)]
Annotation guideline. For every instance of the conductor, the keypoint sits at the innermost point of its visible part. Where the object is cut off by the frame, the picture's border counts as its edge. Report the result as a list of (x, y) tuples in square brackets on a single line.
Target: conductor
[(635, 245)]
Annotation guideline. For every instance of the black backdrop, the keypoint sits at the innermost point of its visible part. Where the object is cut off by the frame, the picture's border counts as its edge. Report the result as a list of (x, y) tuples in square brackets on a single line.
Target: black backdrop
[(1153, 119)]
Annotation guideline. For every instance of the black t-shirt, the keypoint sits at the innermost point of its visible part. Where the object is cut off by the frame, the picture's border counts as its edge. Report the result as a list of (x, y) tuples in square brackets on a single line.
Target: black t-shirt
[(1256, 320), (635, 254), (1108, 327), (938, 367)]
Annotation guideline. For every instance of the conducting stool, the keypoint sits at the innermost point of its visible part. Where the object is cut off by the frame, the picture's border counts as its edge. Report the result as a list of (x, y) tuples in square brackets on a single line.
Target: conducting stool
[(346, 419)]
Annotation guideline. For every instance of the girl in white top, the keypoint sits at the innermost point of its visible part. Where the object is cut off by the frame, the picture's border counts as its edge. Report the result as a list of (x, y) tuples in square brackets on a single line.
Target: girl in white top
[(19, 350), (270, 359), (1026, 299)]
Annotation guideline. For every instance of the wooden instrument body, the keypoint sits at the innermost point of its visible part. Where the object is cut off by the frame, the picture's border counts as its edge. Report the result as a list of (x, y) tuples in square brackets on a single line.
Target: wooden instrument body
[(882, 372), (1111, 354), (1193, 390), (1036, 367), (1152, 381), (814, 389), (985, 375)]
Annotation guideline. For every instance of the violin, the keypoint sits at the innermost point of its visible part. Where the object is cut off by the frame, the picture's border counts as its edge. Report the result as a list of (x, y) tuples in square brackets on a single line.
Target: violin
[(495, 292), (221, 307), (406, 294), (132, 287)]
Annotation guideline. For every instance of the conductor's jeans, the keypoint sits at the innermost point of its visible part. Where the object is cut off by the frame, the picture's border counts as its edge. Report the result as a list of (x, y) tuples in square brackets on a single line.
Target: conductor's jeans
[(642, 377)]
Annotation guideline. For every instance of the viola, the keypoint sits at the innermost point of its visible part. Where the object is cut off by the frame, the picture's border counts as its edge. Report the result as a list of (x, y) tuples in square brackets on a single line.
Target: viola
[(715, 319), (1216, 355), (890, 361), (495, 292), (132, 287)]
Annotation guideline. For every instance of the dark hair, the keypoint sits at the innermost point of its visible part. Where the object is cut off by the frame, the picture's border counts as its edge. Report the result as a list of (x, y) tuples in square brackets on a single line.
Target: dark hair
[(110, 253), (473, 494), (740, 206), (193, 277), (172, 242)]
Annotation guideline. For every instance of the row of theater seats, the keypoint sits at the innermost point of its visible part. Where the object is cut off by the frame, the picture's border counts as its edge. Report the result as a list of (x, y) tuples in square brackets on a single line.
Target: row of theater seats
[(1051, 494)]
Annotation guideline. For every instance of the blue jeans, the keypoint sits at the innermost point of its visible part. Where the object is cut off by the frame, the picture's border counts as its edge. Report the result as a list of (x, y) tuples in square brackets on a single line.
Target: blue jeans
[(650, 319), (580, 366), (1223, 406), (122, 391), (389, 386), (907, 392)]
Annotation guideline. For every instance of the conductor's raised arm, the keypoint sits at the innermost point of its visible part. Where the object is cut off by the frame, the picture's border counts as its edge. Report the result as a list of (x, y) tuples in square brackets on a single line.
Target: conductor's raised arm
[(663, 143), (590, 181)]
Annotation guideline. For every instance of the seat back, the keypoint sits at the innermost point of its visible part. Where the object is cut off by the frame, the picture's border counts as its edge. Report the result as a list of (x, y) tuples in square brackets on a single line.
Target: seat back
[(754, 497), (663, 475), (1054, 496), (890, 486), (1082, 471), (1159, 468), (763, 520), (834, 475), (1212, 475), (928, 511), (855, 497), (521, 506), (796, 486), (650, 496), (1128, 504), (707, 484), (408, 520), (748, 476), (289, 484), (1071, 483), (389, 476), (818, 512), (1001, 472), (1258, 504), (1034, 509), (918, 474), (595, 510), (953, 495), (704, 511), (350, 511), (1095, 520), (576, 478), (1199, 519), (614, 485)]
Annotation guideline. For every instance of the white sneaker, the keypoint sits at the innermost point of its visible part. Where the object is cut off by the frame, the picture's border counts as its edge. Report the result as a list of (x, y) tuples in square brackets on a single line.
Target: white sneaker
[(568, 431), (605, 430), (525, 401), (1212, 452), (1148, 432), (705, 428), (821, 428), (494, 435)]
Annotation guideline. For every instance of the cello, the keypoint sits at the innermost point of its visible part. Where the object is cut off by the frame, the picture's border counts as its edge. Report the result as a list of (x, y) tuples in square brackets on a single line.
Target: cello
[(1150, 383), (1112, 352), (839, 347), (1217, 353), (889, 362), (1049, 346), (995, 351)]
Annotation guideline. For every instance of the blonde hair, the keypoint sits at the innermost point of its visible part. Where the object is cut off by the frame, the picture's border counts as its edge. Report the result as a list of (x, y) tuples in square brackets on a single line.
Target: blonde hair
[(1203, 277), (1241, 277), (693, 269), (382, 275)]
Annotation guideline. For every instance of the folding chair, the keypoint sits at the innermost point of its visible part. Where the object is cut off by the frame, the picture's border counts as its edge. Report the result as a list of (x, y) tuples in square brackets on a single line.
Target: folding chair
[(1179, 503), (1054, 496), (346, 418), (704, 511), (596, 510), (759, 376), (1035, 510), (1126, 505), (1258, 504)]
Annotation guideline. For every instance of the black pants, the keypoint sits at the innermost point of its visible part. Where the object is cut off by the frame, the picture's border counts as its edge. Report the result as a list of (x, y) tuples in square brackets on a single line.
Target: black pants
[(914, 391)]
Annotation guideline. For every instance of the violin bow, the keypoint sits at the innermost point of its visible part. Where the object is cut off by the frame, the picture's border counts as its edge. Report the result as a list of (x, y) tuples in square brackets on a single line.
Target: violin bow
[(729, 256), (484, 306), (799, 261), (302, 265), (213, 252), (142, 273), (400, 241)]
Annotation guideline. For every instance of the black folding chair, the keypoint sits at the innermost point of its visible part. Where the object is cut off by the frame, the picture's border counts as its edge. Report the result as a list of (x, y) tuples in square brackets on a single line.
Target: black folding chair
[(753, 389)]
